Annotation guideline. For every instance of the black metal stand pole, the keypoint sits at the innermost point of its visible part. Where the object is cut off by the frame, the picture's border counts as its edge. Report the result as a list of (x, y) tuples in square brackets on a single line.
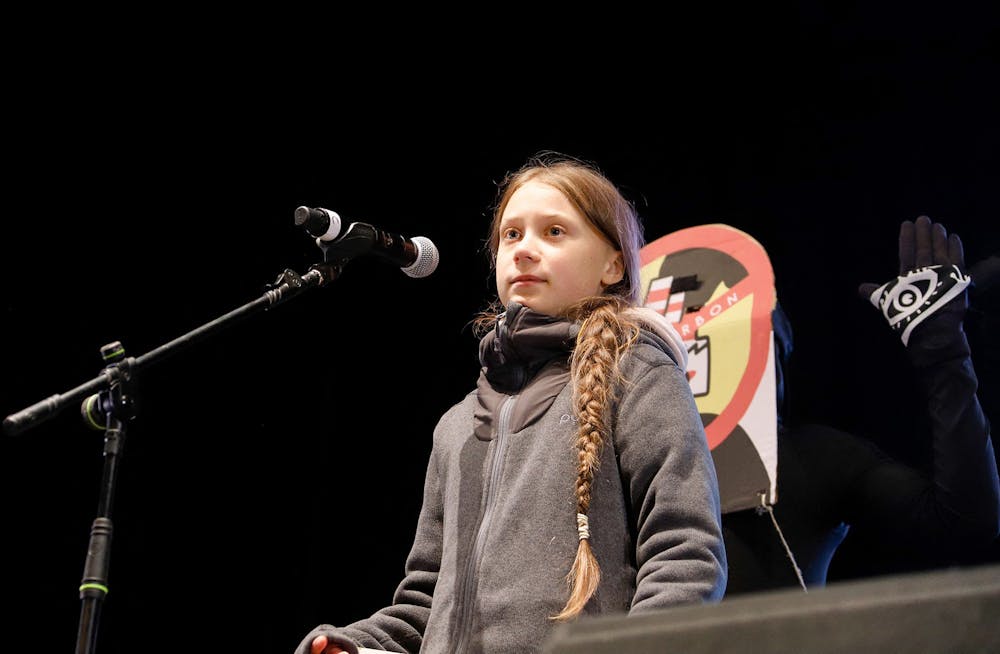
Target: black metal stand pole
[(106, 403), (116, 407)]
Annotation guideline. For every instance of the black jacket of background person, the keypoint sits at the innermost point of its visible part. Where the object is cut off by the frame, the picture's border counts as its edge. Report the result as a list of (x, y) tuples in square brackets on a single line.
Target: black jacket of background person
[(830, 480)]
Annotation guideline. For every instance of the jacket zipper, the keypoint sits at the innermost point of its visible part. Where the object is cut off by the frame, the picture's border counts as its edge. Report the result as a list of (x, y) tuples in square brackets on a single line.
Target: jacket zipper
[(493, 482)]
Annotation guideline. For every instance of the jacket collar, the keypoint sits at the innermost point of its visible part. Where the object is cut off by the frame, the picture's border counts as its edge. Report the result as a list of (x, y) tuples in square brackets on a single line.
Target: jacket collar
[(527, 355), (521, 343)]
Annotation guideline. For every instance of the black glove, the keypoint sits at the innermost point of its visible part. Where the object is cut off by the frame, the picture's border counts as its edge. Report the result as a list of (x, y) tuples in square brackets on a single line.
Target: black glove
[(931, 280)]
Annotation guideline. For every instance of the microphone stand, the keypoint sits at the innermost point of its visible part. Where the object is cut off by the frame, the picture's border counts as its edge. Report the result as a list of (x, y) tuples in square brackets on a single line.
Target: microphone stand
[(107, 404), (116, 406)]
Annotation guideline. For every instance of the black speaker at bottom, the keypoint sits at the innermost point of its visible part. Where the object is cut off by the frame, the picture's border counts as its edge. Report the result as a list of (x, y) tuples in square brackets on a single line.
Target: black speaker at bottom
[(953, 610)]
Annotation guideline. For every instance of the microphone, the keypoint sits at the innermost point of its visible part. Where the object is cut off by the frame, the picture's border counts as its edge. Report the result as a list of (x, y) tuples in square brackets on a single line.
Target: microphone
[(321, 223), (417, 256)]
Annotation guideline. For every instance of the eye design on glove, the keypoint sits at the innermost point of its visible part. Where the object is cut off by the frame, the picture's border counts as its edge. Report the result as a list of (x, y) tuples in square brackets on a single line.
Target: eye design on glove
[(909, 295), (909, 299)]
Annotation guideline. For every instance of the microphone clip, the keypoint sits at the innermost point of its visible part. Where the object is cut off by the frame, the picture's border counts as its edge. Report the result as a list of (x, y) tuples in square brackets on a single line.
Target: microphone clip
[(360, 239)]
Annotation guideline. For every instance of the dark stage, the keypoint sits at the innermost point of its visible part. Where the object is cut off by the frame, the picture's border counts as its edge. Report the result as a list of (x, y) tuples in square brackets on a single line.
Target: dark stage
[(272, 476)]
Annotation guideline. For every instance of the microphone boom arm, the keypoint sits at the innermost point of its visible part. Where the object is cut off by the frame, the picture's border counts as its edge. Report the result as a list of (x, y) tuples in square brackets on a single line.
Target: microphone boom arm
[(288, 284)]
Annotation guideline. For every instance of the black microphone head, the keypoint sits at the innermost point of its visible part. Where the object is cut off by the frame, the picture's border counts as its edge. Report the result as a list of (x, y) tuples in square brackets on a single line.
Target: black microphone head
[(427, 258), (321, 223)]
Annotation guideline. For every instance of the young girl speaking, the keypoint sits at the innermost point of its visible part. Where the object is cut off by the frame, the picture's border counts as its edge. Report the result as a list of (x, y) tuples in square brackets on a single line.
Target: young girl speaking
[(576, 478)]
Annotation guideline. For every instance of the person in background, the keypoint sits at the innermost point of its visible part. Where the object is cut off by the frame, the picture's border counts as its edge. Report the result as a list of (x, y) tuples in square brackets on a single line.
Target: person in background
[(576, 478), (982, 325), (830, 481)]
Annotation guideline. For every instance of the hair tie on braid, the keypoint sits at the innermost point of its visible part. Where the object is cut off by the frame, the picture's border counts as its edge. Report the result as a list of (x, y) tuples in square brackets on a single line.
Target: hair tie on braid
[(582, 526)]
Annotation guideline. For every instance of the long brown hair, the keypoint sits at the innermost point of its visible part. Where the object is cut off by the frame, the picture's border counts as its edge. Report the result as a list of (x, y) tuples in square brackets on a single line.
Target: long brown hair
[(605, 331)]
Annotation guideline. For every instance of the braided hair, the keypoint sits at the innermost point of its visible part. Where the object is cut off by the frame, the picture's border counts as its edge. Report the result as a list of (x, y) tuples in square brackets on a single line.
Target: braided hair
[(606, 332)]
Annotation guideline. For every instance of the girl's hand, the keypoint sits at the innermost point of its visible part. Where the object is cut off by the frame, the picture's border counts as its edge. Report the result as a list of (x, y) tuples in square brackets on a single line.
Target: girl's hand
[(322, 645)]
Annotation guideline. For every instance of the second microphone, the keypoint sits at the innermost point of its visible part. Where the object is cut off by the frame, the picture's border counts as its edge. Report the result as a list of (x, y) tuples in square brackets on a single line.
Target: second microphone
[(417, 256)]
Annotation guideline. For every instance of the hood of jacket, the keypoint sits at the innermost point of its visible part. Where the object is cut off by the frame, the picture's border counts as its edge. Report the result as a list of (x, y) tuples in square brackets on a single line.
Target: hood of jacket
[(527, 354), (667, 338)]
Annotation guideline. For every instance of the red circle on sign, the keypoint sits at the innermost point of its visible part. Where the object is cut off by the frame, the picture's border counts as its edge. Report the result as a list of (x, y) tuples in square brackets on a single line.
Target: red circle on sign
[(758, 285)]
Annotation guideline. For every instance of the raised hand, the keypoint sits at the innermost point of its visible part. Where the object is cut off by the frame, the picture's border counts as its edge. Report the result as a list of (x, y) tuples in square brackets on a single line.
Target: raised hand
[(931, 280)]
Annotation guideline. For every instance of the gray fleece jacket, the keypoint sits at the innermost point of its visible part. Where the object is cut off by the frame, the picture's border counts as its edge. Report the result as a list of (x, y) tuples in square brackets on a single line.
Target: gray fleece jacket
[(497, 532)]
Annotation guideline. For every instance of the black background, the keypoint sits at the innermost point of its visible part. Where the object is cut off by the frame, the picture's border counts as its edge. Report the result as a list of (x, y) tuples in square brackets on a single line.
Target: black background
[(271, 479)]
